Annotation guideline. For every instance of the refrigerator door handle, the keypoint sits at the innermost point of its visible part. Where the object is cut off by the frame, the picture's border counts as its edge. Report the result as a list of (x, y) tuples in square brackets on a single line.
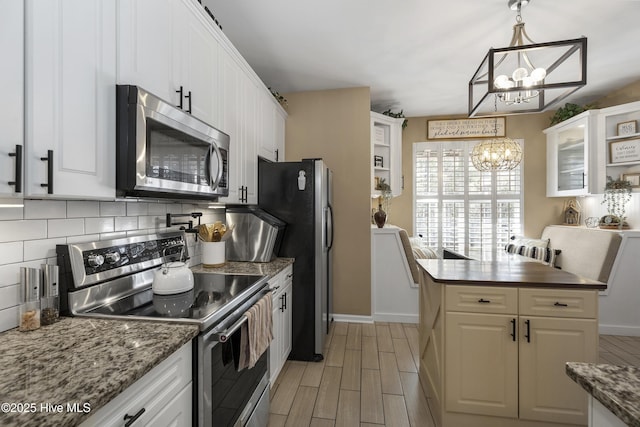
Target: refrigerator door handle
[(329, 230)]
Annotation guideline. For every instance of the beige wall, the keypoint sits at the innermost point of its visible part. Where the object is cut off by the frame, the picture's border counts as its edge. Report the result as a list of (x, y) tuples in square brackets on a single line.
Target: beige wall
[(334, 125), (629, 93), (538, 209)]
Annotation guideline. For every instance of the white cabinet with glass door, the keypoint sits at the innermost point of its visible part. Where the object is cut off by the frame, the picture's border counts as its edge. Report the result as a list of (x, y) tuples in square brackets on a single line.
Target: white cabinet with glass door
[(70, 76), (12, 111), (572, 156)]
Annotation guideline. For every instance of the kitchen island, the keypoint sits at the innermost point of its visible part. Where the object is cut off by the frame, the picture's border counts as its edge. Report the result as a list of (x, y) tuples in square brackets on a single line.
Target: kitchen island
[(495, 338)]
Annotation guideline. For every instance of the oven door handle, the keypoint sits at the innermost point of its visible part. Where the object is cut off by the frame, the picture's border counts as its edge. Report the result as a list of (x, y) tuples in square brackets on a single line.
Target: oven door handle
[(225, 334)]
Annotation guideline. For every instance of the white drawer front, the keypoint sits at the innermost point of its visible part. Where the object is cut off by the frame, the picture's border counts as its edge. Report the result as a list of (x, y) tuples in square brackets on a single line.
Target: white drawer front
[(559, 303), (482, 299)]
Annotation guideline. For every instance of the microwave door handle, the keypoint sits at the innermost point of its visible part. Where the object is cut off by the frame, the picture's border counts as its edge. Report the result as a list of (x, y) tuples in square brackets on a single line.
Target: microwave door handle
[(214, 183)]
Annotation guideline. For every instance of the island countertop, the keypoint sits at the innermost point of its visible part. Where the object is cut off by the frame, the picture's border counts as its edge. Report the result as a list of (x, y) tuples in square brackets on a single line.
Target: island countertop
[(506, 272), (79, 360), (616, 387)]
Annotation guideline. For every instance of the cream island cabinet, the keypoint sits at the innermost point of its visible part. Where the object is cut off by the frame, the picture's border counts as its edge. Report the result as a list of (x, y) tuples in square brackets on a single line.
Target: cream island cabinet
[(494, 340)]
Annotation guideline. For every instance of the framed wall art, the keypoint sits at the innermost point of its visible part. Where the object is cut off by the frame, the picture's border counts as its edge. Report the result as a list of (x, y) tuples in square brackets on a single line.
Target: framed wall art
[(633, 178), (624, 151), (490, 127), (627, 128)]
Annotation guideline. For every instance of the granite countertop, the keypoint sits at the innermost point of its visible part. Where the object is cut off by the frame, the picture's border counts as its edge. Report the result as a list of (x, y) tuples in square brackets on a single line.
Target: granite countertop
[(256, 268), (79, 360), (616, 387)]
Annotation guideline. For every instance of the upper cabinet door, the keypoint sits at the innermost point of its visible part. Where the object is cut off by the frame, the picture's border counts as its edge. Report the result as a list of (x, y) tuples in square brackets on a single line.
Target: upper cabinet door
[(145, 46), (12, 110), (70, 65)]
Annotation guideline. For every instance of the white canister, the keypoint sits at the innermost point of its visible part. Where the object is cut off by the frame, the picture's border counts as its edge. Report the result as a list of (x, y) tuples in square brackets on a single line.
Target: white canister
[(213, 254)]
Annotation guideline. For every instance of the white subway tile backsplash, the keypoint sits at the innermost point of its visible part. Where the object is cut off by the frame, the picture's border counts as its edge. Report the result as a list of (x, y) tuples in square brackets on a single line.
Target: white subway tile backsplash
[(45, 209), (137, 208), (125, 223), (11, 252), (11, 231), (111, 236), (10, 273), (8, 318), (83, 239), (9, 296), (38, 249), (99, 225), (82, 209), (113, 209), (154, 222), (174, 208), (65, 227), (157, 209), (11, 209)]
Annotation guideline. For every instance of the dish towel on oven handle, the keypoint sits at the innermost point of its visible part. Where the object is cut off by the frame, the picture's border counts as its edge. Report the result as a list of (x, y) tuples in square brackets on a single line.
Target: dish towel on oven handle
[(256, 333)]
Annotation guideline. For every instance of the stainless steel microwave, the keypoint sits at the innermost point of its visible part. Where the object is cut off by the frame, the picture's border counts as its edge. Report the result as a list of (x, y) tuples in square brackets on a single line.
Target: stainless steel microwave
[(162, 151)]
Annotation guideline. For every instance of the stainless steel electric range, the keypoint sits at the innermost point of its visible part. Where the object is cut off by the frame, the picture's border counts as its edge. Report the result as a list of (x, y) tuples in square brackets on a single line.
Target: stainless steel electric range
[(113, 279)]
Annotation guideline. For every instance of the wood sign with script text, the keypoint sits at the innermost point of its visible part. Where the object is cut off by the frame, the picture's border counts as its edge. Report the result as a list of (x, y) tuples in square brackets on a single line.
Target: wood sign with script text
[(466, 128)]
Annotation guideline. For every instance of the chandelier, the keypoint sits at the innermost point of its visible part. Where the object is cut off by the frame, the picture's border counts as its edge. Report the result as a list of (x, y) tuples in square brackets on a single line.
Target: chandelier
[(500, 154), (527, 78)]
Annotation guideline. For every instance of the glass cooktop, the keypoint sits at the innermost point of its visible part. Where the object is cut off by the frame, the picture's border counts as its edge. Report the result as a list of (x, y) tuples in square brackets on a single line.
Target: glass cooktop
[(211, 292)]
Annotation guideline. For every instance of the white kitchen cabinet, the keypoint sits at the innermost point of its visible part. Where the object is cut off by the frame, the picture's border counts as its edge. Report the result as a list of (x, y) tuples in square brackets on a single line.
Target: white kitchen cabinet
[(505, 351), (572, 156), (12, 110), (178, 64), (162, 397), (70, 76), (386, 153), (239, 120), (281, 286), (611, 138), (272, 122)]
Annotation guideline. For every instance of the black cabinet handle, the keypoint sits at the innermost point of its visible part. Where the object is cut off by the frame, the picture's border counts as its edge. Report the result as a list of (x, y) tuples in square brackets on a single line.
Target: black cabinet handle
[(560, 304), (18, 182), (49, 160), (285, 300), (282, 302), (484, 301), (527, 334), (181, 93), (513, 329), (130, 419), (189, 98), (277, 153)]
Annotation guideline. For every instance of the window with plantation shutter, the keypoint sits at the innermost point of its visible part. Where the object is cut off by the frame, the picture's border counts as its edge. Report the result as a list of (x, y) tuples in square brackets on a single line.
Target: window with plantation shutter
[(459, 208)]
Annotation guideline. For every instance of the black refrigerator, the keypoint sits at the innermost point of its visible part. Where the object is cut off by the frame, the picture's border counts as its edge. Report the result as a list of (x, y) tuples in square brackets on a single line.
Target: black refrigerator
[(299, 193)]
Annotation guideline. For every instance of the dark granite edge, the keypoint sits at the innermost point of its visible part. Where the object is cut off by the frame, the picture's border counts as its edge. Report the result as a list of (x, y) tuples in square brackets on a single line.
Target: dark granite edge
[(600, 388)]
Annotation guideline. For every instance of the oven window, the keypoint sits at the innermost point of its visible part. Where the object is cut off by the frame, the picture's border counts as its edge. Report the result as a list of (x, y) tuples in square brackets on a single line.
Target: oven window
[(231, 390), (176, 156)]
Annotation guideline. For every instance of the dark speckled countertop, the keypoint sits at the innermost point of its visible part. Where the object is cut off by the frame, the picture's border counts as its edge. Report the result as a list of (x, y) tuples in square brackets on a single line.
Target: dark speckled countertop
[(616, 387), (256, 268), (79, 360)]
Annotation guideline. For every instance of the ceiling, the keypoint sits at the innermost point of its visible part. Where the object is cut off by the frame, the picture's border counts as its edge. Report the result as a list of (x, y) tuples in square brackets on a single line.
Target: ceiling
[(418, 55)]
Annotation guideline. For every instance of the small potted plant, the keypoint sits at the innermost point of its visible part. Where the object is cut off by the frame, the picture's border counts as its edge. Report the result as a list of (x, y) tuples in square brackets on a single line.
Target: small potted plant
[(617, 193)]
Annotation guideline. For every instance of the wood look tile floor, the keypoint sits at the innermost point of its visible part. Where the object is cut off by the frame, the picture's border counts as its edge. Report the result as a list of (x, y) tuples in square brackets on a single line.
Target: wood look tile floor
[(369, 377)]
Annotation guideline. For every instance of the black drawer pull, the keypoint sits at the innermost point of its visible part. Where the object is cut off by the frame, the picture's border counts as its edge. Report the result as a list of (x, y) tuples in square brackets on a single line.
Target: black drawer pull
[(484, 301), (18, 182), (527, 334), (513, 329), (49, 160), (189, 97), (560, 304), (181, 93), (130, 419)]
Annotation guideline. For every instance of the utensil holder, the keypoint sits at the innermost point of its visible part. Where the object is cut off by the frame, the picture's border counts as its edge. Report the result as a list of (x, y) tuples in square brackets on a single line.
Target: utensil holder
[(213, 254)]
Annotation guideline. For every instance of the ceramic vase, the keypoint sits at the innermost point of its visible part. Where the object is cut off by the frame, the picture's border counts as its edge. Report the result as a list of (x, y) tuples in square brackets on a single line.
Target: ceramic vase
[(380, 217)]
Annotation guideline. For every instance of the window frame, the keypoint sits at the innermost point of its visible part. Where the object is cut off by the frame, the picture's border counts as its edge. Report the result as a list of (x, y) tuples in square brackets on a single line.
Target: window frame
[(466, 198)]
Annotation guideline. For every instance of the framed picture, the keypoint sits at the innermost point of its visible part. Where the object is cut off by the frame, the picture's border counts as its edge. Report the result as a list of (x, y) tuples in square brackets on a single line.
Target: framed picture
[(624, 151), (378, 161), (490, 127), (633, 178), (627, 128)]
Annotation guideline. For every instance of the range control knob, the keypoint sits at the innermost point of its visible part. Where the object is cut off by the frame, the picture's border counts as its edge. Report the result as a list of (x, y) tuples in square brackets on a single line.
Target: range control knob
[(95, 260), (112, 257)]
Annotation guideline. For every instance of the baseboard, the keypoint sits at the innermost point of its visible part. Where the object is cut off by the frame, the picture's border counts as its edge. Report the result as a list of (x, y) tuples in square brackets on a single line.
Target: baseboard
[(628, 331), (352, 318), (396, 318)]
